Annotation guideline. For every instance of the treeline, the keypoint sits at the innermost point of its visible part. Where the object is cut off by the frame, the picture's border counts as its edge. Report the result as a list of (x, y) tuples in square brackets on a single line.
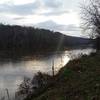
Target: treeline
[(27, 39), (22, 40)]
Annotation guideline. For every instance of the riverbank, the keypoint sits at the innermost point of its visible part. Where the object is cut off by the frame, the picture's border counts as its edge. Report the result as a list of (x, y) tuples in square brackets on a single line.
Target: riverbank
[(78, 80)]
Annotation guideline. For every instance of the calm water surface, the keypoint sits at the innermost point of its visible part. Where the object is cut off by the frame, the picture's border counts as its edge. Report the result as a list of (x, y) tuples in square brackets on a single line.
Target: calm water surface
[(13, 72)]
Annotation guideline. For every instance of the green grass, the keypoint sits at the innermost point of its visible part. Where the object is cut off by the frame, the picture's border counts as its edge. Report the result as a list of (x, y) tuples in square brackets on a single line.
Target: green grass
[(78, 80)]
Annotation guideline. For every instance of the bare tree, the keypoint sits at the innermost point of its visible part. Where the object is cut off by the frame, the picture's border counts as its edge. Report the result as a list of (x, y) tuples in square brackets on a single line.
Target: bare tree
[(90, 14)]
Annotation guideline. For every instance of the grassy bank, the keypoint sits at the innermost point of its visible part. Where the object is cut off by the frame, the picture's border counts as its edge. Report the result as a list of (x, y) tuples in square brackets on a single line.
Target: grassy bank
[(78, 80)]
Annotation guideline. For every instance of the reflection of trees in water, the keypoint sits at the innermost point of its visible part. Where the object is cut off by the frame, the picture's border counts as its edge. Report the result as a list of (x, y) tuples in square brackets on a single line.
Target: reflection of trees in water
[(38, 56)]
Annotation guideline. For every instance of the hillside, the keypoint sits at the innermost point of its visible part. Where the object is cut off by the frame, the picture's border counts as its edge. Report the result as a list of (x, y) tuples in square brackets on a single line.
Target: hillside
[(78, 41), (26, 40)]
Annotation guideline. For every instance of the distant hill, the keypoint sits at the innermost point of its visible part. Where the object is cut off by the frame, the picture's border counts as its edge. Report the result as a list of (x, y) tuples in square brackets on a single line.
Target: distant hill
[(29, 39), (78, 41)]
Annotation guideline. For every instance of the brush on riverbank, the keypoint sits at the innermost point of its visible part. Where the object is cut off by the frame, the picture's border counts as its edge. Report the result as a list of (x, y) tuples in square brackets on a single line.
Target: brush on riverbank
[(78, 80)]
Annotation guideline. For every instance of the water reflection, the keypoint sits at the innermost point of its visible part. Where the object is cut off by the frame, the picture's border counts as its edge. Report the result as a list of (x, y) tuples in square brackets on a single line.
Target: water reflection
[(12, 73)]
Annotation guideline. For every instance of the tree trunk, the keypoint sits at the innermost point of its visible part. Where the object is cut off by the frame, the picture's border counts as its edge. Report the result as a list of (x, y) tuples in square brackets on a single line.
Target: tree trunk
[(98, 43)]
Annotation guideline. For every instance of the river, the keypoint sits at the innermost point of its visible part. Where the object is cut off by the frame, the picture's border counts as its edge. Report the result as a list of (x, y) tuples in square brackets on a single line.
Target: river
[(12, 73)]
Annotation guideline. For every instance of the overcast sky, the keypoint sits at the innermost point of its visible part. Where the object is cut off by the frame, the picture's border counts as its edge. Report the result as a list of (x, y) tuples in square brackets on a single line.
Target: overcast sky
[(57, 15)]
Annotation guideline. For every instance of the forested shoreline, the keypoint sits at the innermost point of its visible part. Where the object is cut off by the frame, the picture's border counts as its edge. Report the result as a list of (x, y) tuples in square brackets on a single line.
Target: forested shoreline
[(21, 40)]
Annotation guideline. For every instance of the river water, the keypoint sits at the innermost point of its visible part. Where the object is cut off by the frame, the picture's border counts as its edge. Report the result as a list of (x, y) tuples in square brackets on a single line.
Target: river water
[(12, 73)]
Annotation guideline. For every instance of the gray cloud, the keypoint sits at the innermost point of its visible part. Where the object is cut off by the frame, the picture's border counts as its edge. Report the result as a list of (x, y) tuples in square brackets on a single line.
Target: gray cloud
[(55, 8), (55, 12), (57, 27), (25, 9), (19, 18), (53, 3)]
